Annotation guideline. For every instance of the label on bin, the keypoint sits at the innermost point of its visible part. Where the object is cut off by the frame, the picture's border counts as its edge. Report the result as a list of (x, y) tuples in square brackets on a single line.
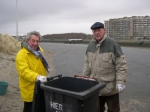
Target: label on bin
[(57, 106)]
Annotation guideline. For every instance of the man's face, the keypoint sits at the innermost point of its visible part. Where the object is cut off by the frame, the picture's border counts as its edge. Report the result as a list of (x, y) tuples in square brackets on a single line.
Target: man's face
[(99, 33), (33, 42)]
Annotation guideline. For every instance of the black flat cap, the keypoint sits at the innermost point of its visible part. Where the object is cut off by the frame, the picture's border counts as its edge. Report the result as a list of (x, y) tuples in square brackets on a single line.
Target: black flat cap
[(97, 25)]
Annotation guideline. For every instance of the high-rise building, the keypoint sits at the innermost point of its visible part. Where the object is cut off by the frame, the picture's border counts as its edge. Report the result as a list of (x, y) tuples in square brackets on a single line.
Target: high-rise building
[(128, 27)]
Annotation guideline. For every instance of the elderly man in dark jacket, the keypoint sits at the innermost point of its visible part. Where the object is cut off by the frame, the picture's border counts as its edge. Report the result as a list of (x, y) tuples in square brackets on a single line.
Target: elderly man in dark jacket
[(105, 61)]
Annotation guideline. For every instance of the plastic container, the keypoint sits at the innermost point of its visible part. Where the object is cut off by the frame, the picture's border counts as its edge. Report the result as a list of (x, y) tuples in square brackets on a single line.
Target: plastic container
[(3, 87), (68, 94)]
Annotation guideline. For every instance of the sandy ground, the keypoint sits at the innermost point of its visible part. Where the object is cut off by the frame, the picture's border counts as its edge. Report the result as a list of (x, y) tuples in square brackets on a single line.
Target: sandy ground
[(11, 101)]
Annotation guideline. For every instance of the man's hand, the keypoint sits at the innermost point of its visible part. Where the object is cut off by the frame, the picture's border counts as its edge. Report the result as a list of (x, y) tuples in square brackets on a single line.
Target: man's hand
[(42, 78), (120, 87)]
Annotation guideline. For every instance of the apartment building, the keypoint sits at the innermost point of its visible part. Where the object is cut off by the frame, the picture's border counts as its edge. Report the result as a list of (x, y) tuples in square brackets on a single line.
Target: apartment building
[(128, 27)]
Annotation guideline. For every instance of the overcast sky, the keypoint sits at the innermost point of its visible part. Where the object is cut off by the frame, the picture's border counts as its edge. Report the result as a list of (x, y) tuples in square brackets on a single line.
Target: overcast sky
[(65, 16)]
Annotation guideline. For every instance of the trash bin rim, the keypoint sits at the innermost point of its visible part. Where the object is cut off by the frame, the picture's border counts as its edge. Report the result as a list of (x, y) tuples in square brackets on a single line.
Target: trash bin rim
[(3, 87), (80, 95), (4, 83)]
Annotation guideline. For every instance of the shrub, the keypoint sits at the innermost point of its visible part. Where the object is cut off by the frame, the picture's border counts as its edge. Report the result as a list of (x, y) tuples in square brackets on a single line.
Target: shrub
[(9, 44)]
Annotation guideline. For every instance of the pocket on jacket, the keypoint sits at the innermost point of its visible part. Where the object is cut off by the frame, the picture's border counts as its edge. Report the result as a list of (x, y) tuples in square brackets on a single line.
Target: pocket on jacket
[(106, 74), (106, 61), (109, 89)]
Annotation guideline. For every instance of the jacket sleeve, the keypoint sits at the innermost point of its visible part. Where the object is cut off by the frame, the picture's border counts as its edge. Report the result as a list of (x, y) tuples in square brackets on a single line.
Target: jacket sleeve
[(121, 65), (121, 70), (23, 68), (86, 69)]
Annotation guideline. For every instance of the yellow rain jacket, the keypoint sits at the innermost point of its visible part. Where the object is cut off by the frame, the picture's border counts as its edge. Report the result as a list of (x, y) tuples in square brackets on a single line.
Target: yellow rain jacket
[(28, 67)]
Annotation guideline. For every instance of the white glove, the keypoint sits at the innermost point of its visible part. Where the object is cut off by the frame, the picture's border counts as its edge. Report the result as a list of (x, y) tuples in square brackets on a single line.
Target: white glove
[(42, 78), (120, 87)]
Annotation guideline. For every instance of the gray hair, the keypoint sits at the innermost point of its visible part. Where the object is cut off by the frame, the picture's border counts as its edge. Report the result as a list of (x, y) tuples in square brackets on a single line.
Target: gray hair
[(28, 36)]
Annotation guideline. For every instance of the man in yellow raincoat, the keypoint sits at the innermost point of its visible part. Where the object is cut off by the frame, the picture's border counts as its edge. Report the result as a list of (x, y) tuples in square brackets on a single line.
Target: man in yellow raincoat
[(31, 66)]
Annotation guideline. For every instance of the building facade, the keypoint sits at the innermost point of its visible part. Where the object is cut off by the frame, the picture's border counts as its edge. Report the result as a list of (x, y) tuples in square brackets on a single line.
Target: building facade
[(128, 27)]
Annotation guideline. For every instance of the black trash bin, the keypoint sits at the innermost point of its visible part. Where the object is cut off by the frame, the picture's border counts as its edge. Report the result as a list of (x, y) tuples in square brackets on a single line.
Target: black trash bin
[(68, 94)]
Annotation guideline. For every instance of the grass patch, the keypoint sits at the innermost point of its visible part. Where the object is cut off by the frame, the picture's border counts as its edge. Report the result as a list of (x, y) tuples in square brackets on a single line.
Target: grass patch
[(9, 44)]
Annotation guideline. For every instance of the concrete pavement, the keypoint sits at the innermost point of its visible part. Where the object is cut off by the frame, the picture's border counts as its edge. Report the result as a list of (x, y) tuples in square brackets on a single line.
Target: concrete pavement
[(69, 60)]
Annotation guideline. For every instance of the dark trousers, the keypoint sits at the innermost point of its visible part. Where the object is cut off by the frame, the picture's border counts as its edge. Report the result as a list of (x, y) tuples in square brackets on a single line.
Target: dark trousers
[(27, 107), (111, 101)]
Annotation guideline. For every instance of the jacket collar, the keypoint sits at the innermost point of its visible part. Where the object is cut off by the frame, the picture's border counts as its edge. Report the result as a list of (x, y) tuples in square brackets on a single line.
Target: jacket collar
[(27, 51)]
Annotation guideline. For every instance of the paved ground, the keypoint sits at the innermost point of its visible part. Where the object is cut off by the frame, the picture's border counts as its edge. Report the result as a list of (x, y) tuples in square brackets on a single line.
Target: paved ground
[(69, 60)]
